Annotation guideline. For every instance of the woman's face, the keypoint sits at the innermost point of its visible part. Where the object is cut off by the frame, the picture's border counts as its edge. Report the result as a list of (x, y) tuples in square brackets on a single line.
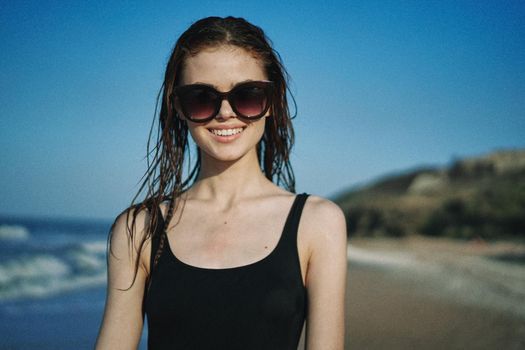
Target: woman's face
[(224, 67)]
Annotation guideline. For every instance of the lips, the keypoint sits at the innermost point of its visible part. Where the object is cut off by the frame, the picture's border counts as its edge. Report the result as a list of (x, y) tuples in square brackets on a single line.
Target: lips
[(225, 134)]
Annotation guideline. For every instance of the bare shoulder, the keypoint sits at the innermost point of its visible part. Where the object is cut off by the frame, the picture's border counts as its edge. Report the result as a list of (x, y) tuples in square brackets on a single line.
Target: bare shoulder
[(130, 224), (323, 224), (320, 212), (129, 238)]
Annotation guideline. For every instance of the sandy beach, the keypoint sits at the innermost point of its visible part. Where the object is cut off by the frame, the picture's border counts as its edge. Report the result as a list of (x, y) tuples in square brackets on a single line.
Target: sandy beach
[(421, 293)]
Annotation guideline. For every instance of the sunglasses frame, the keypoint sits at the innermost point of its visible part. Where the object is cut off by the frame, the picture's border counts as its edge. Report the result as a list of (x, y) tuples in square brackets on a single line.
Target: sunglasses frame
[(266, 85)]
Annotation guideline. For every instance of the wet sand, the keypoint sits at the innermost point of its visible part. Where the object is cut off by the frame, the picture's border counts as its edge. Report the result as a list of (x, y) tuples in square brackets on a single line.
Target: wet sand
[(402, 306)]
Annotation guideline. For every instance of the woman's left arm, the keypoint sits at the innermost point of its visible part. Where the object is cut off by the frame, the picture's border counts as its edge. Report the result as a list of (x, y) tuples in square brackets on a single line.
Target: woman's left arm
[(325, 230)]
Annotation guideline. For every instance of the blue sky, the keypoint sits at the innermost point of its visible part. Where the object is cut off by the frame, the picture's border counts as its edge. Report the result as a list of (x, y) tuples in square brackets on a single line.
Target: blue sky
[(381, 86)]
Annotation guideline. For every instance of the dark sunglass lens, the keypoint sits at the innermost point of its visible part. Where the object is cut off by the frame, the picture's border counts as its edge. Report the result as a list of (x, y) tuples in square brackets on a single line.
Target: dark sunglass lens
[(250, 100), (198, 102)]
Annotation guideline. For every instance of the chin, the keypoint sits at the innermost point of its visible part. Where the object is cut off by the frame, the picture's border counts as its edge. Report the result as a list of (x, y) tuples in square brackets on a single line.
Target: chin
[(228, 155)]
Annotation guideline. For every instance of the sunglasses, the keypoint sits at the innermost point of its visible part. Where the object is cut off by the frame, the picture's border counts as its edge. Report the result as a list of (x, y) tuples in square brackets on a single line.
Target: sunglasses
[(201, 103)]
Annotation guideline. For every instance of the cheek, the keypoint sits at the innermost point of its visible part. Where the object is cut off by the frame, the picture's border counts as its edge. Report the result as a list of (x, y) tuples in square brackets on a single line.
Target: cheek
[(197, 133), (259, 128)]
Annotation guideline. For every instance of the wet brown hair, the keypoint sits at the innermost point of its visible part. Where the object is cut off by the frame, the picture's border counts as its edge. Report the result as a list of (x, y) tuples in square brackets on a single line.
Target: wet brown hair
[(166, 157)]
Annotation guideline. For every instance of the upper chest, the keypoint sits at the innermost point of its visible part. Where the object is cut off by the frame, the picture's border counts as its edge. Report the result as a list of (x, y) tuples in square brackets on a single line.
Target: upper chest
[(203, 236)]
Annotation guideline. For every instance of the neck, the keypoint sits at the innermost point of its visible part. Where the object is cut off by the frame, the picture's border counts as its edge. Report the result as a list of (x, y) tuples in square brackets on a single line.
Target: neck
[(229, 181)]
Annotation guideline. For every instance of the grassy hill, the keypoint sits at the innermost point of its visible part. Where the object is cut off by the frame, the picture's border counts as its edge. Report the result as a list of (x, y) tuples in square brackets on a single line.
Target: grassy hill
[(474, 197)]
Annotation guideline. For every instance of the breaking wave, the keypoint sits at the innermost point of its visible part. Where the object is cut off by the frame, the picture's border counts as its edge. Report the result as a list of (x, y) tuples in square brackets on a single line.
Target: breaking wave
[(44, 273)]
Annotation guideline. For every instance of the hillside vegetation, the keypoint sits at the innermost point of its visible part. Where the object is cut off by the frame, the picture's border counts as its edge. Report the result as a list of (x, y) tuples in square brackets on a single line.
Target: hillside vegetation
[(477, 197)]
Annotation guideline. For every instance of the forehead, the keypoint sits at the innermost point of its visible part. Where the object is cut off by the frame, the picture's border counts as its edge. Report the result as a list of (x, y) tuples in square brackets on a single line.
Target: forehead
[(222, 67)]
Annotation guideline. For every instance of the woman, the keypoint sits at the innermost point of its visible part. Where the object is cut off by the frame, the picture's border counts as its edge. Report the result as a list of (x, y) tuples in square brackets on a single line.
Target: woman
[(225, 258)]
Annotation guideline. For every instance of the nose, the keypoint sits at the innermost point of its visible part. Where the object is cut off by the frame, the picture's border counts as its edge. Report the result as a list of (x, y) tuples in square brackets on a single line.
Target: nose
[(226, 111)]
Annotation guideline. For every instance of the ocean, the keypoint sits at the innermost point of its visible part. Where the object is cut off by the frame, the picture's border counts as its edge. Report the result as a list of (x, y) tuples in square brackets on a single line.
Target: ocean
[(52, 283)]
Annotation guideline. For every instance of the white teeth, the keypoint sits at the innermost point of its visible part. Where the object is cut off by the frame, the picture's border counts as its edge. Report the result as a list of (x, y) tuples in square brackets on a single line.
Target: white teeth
[(226, 132)]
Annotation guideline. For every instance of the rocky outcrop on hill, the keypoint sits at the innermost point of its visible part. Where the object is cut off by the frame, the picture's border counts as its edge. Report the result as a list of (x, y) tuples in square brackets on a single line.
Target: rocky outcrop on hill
[(480, 196), (497, 163)]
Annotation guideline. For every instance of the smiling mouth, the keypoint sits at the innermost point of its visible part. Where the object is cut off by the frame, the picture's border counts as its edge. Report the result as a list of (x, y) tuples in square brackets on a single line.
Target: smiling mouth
[(226, 132)]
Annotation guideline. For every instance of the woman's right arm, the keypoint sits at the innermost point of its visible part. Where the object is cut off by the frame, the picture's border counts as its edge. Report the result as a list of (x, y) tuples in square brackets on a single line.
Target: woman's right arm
[(122, 323)]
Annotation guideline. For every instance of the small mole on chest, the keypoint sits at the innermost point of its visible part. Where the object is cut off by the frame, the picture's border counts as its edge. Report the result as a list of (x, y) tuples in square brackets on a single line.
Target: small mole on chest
[(225, 222)]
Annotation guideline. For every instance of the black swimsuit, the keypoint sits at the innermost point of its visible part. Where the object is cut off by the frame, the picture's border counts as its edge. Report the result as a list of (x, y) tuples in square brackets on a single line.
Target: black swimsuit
[(257, 306)]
